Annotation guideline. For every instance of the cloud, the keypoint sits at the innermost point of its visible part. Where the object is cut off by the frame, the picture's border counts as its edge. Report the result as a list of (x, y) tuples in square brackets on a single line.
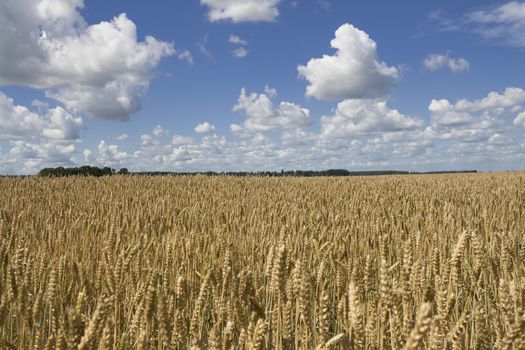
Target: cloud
[(123, 137), (242, 10), (202, 47), (324, 4), (205, 128), (40, 105), (101, 69), (62, 125), (28, 157), (110, 155), (298, 148), (234, 39), (88, 156), (445, 114), (505, 22), (355, 117), (182, 140), (437, 61), (495, 101), (185, 56), (499, 24), (262, 115), (270, 91), (520, 120), (18, 122), (145, 139), (354, 71), (240, 52), (298, 136), (159, 131), (45, 137), (474, 121), (359, 134)]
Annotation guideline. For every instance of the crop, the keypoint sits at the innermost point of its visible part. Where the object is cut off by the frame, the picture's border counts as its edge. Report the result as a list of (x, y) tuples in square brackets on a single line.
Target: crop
[(125, 262)]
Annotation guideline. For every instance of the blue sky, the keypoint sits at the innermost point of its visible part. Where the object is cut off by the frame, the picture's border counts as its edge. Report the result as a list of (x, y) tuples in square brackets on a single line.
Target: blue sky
[(262, 85)]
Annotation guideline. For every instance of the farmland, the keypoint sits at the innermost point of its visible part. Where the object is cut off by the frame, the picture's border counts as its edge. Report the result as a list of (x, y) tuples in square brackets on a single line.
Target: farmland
[(387, 262)]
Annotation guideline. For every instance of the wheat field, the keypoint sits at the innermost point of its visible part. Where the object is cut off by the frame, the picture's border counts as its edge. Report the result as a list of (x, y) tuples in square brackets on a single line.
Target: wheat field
[(394, 262)]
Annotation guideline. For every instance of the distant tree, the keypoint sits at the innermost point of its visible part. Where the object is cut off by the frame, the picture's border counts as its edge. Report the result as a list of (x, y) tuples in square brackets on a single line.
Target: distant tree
[(84, 170), (46, 172), (123, 171)]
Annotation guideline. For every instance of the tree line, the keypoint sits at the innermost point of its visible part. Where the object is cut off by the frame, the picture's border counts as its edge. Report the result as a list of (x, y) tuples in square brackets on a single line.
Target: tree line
[(87, 170)]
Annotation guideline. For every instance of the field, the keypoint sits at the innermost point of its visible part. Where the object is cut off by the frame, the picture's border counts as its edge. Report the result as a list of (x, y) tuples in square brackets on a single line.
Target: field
[(125, 262)]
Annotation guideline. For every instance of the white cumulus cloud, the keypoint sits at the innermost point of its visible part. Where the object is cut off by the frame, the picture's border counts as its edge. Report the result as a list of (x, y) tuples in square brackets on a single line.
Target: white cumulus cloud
[(354, 71), (29, 157), (242, 10), (18, 122), (262, 115), (474, 120), (511, 97), (437, 61), (355, 117), (110, 155), (88, 156), (204, 128), (101, 69)]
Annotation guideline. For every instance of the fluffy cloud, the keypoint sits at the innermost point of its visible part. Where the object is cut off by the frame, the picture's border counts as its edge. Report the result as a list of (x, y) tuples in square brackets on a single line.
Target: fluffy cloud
[(262, 115), (354, 117), (40, 138), (359, 134), (436, 61), (88, 156), (475, 121), (242, 10), (18, 122), (204, 128), (110, 155), (123, 137), (445, 114), (29, 157), (62, 125), (354, 71), (101, 70), (240, 52), (496, 102)]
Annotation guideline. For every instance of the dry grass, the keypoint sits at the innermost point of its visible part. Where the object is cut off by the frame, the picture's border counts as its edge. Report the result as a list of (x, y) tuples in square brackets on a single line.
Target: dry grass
[(263, 263)]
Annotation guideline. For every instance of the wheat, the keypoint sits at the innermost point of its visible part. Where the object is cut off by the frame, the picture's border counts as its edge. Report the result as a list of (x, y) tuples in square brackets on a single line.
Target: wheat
[(257, 262), (423, 321)]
